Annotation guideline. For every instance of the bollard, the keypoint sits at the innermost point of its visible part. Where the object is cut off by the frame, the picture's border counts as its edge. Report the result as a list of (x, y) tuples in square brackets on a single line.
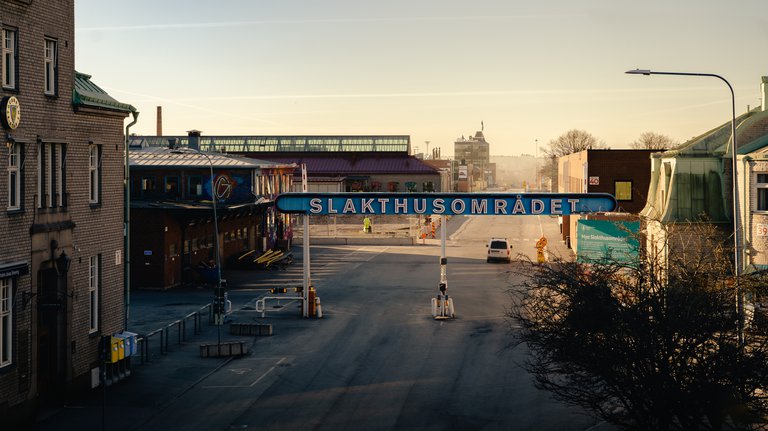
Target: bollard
[(311, 301), (318, 308)]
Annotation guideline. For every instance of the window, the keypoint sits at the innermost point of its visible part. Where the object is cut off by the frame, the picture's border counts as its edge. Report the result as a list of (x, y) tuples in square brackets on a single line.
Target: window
[(147, 185), (51, 179), (94, 282), (6, 321), (14, 177), (51, 67), (9, 58), (172, 186), (762, 192), (623, 190), (195, 186), (94, 174)]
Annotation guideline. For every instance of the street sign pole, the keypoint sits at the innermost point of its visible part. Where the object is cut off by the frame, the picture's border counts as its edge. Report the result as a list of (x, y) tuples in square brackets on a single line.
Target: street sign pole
[(305, 248)]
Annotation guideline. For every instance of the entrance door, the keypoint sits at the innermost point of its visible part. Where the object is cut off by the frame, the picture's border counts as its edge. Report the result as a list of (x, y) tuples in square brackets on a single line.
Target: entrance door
[(51, 335)]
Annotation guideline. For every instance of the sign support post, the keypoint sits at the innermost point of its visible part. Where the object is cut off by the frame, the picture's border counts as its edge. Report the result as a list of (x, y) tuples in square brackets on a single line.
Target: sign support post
[(305, 249)]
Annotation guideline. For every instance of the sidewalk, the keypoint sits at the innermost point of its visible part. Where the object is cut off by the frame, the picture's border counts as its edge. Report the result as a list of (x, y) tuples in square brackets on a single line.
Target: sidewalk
[(153, 385)]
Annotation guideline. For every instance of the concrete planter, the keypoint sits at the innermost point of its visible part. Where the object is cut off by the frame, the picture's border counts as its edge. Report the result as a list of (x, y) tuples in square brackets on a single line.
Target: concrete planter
[(251, 329), (226, 349)]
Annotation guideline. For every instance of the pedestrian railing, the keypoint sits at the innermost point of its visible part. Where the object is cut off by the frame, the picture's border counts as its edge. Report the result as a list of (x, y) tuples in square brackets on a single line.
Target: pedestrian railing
[(177, 327)]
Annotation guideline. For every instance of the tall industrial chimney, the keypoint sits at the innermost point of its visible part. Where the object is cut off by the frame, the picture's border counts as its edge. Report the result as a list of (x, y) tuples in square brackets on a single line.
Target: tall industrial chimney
[(159, 121)]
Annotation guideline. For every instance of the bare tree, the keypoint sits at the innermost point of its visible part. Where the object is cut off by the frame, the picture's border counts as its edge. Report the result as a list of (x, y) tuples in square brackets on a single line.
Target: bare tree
[(572, 141), (653, 141), (650, 346)]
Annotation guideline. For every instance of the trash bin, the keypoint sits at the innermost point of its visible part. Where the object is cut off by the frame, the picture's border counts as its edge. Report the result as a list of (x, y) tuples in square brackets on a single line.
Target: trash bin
[(129, 338)]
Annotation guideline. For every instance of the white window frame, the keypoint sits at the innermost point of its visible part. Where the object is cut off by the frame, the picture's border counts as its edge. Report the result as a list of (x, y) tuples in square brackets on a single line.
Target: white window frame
[(9, 58), (50, 55), (51, 161), (94, 279), (6, 321), (50, 181), (14, 177), (59, 178), (94, 174), (760, 186), (40, 170)]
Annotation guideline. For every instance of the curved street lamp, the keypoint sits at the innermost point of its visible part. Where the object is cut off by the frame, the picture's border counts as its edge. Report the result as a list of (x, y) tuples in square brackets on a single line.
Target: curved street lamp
[(219, 305), (736, 238)]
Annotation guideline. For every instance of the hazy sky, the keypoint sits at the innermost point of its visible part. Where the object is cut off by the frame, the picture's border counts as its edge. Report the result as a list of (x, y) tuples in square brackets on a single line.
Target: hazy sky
[(431, 69)]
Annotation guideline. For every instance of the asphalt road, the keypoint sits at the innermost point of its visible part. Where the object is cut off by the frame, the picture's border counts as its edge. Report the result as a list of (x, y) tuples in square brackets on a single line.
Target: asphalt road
[(377, 360)]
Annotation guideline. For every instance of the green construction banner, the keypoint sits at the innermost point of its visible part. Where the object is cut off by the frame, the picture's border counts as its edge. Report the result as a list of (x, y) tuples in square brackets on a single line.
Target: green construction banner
[(605, 240)]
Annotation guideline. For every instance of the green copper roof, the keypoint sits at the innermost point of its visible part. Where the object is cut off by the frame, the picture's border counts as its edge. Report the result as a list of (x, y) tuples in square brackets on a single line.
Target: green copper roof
[(86, 93)]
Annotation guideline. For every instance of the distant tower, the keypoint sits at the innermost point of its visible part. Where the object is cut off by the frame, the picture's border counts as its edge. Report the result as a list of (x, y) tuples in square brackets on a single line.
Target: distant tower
[(427, 152), (475, 152)]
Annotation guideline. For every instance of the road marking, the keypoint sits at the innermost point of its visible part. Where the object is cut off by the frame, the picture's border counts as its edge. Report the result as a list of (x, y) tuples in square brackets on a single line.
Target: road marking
[(266, 373)]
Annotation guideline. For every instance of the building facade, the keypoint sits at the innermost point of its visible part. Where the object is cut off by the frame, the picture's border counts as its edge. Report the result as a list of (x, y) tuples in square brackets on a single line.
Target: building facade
[(693, 184), (61, 211), (473, 155), (334, 163), (173, 239), (625, 174)]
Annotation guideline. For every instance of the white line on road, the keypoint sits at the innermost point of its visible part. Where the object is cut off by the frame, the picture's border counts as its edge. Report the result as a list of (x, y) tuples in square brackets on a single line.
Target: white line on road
[(252, 384), (268, 371)]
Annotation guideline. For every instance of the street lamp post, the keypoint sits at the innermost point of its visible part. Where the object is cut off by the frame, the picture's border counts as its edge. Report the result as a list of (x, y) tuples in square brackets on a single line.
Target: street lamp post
[(219, 304), (737, 261)]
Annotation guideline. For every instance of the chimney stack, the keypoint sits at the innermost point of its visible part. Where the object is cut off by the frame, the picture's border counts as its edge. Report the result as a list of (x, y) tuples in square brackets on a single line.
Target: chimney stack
[(194, 139), (159, 121), (764, 88)]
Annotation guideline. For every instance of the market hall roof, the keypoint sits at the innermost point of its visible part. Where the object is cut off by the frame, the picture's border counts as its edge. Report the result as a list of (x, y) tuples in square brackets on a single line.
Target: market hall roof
[(164, 158), (288, 144), (359, 164)]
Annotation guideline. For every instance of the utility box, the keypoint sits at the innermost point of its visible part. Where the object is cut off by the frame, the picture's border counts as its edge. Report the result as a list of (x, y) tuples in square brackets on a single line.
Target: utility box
[(130, 340), (117, 351), (113, 355)]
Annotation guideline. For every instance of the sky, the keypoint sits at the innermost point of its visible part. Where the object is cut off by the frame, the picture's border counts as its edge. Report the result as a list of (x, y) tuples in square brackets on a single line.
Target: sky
[(526, 72)]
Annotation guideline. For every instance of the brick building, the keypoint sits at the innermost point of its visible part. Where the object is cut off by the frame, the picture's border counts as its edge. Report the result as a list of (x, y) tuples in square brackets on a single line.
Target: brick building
[(172, 230), (626, 174), (61, 211)]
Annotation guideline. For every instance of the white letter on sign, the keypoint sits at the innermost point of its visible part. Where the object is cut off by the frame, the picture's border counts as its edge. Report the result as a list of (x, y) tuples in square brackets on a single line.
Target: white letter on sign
[(417, 209), (537, 206), (314, 206), (555, 205), (500, 206), (349, 207), (458, 206), (439, 205), (383, 202), (480, 207), (366, 203), (573, 203), (401, 205)]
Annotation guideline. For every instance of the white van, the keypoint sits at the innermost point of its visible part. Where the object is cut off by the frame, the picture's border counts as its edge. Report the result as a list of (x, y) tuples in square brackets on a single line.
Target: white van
[(499, 249)]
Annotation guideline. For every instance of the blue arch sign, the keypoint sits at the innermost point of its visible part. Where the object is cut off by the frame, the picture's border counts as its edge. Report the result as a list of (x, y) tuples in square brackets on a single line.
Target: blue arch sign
[(446, 203)]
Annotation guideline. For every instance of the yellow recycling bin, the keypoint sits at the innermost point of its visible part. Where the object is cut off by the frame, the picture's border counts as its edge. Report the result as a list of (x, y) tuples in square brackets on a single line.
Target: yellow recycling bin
[(116, 350)]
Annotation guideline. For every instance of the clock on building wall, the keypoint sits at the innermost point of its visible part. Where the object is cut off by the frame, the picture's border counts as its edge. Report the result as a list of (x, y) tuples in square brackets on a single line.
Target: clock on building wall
[(11, 112)]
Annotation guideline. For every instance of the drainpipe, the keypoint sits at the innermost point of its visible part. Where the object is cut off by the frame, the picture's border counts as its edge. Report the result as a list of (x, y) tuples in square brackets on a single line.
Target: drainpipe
[(127, 224), (747, 235)]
